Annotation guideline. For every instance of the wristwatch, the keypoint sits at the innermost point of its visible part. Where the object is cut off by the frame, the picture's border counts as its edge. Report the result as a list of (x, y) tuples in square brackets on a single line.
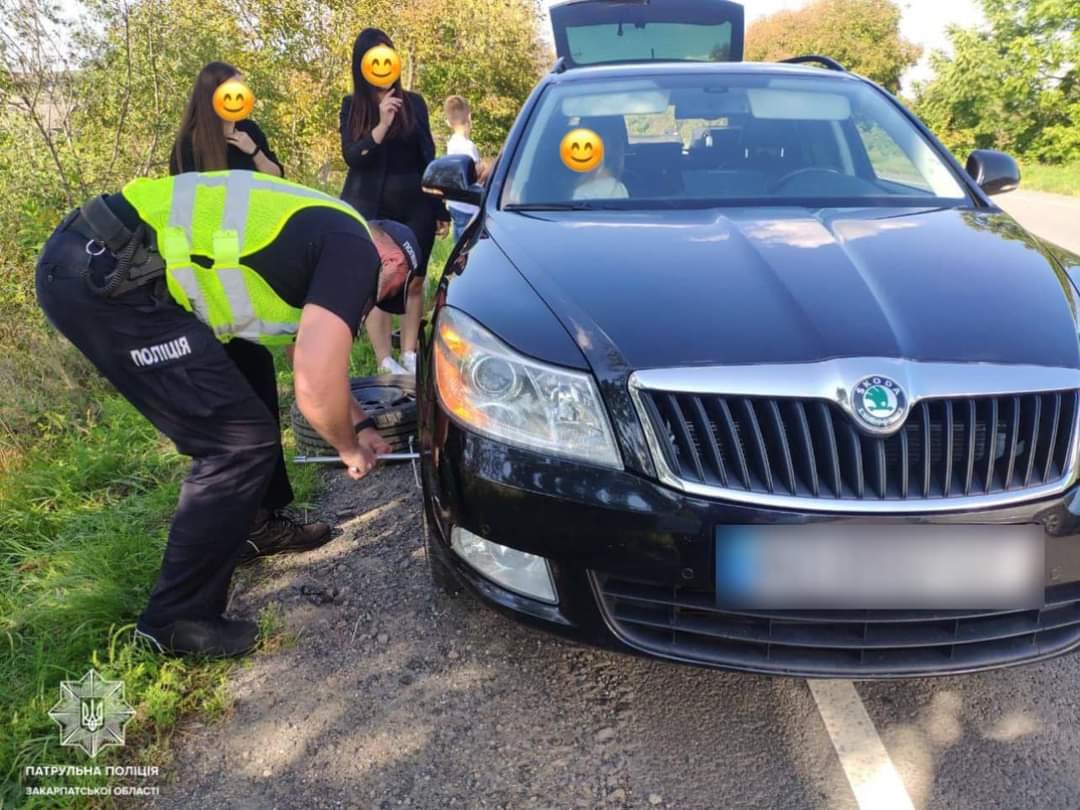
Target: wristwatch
[(364, 425)]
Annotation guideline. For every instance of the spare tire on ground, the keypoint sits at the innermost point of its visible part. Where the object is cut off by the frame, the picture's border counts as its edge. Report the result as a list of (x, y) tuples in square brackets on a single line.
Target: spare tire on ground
[(389, 399)]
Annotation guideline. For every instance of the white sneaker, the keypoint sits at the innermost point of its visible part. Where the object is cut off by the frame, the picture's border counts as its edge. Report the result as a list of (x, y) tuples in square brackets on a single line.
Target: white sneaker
[(391, 366), (408, 359)]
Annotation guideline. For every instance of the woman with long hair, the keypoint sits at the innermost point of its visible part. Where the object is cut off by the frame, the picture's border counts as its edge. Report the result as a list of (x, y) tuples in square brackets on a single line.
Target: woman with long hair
[(206, 143), (386, 142)]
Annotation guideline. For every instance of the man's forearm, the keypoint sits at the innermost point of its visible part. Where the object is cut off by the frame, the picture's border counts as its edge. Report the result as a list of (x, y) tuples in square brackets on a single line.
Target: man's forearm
[(330, 412)]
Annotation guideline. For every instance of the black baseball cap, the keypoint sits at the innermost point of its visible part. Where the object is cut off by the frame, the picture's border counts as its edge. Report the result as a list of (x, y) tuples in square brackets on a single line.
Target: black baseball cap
[(404, 238)]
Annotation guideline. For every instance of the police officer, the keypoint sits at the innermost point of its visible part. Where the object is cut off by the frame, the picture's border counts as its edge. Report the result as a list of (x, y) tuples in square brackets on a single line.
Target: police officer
[(149, 284)]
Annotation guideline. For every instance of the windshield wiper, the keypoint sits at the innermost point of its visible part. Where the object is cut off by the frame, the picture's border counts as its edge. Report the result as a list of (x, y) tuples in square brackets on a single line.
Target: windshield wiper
[(551, 206)]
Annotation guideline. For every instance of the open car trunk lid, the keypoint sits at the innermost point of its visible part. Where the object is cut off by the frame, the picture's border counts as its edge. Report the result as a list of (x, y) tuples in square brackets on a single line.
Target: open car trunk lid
[(600, 32)]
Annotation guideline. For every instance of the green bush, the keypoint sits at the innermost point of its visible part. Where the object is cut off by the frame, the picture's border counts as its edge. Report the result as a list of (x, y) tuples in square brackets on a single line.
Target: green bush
[(1013, 84)]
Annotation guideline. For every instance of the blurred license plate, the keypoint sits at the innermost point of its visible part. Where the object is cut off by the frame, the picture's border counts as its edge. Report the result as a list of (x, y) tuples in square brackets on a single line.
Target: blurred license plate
[(897, 567)]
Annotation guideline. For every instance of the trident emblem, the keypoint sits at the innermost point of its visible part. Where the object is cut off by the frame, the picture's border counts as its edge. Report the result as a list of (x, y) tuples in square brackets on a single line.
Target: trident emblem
[(93, 713)]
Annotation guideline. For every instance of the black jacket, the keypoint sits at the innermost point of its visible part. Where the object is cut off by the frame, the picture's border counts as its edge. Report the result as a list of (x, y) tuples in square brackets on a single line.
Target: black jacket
[(234, 158), (366, 160)]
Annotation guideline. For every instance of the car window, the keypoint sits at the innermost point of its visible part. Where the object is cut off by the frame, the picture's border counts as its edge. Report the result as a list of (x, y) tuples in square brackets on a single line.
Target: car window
[(736, 139), (657, 41), (888, 159)]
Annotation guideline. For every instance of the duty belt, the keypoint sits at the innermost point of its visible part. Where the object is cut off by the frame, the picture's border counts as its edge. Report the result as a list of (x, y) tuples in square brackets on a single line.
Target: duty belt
[(137, 260)]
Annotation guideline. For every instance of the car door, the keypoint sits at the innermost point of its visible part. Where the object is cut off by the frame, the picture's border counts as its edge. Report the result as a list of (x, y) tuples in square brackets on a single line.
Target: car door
[(596, 32)]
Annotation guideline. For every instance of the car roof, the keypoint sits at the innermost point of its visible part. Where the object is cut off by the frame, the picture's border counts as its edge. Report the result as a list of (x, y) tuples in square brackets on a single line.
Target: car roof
[(642, 69)]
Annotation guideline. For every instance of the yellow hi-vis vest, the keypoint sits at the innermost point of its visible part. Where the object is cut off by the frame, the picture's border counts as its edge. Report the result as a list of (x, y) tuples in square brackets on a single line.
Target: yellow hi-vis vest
[(225, 216)]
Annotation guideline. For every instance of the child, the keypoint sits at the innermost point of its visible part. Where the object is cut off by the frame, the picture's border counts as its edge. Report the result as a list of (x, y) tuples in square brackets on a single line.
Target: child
[(604, 183), (459, 119)]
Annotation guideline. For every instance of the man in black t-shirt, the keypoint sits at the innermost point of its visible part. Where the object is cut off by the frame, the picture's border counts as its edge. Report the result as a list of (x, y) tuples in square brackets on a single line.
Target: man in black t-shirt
[(101, 282)]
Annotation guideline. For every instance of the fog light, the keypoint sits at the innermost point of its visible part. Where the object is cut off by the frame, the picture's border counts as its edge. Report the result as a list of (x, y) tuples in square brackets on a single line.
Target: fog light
[(517, 571)]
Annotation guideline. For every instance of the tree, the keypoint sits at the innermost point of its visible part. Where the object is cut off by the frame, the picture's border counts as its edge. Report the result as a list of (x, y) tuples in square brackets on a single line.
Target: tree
[(1012, 85), (93, 98), (863, 35)]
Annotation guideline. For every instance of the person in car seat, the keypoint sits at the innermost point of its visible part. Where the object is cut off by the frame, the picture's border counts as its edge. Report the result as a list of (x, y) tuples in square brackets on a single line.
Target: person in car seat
[(605, 182)]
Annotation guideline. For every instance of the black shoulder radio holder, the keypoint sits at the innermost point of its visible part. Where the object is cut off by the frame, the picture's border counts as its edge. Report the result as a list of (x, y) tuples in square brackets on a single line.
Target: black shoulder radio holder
[(137, 259)]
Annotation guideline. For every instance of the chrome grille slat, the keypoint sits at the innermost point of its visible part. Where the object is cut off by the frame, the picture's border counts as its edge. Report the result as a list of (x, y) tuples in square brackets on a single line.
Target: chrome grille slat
[(1014, 437), (731, 435), (751, 428), (1048, 466), (781, 447), (905, 469), (972, 436), (835, 476), (928, 467), (1032, 441), (991, 443), (703, 426), (949, 432), (805, 443), (952, 449)]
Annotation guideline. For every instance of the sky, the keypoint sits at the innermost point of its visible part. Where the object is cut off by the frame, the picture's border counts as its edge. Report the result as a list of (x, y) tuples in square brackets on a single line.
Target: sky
[(924, 22)]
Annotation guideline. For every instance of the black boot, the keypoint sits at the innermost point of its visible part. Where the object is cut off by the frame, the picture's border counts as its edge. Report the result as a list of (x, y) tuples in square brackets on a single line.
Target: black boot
[(212, 638), (280, 534)]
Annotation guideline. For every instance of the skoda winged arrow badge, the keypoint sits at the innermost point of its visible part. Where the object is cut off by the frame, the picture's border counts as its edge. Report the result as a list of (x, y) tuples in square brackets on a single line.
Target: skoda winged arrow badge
[(879, 403)]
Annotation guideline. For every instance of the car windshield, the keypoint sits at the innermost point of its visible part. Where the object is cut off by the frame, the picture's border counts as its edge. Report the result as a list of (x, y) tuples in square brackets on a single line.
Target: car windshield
[(700, 139)]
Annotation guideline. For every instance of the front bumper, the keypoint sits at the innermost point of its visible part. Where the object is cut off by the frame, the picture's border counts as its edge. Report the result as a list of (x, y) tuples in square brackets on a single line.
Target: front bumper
[(633, 564)]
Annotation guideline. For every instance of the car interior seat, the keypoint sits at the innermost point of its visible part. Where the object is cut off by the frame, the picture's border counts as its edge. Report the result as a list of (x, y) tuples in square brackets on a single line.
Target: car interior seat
[(748, 161)]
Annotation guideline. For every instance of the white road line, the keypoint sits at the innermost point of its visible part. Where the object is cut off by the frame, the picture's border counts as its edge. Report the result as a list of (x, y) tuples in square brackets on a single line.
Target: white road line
[(866, 763)]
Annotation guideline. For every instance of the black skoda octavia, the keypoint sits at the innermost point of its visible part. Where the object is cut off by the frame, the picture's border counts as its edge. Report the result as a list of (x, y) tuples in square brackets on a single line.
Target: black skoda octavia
[(770, 384)]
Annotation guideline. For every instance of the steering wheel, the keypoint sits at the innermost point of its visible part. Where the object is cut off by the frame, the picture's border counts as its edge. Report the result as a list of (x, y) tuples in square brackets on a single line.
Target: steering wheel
[(783, 181)]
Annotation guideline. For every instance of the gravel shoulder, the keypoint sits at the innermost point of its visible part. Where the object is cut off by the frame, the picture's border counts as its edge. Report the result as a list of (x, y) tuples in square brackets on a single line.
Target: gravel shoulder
[(392, 696)]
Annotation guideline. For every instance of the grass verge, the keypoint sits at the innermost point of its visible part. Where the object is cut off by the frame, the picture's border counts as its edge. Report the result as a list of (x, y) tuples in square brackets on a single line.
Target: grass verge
[(83, 521), (1063, 179)]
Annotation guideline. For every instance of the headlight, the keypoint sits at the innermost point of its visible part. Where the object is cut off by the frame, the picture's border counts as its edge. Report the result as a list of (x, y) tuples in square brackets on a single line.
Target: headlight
[(495, 391)]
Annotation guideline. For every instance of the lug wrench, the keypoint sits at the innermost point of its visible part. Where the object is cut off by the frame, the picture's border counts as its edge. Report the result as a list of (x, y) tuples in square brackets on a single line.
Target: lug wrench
[(410, 456), (337, 459)]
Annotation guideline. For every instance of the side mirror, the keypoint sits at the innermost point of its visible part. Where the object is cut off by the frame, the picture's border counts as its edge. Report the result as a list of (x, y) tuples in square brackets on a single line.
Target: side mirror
[(995, 172), (453, 178)]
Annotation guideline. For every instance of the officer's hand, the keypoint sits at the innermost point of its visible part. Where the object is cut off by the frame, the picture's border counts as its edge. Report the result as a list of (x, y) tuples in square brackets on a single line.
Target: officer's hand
[(371, 439), (359, 460), (442, 228)]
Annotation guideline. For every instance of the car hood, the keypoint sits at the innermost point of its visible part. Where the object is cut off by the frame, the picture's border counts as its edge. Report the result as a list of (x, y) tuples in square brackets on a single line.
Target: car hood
[(782, 285)]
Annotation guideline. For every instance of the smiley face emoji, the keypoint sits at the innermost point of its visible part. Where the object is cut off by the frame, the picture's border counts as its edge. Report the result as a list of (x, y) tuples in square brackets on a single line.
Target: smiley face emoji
[(582, 150), (233, 100), (381, 66)]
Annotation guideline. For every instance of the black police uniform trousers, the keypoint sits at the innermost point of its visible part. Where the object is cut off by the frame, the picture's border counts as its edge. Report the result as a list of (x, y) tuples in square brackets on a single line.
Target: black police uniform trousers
[(216, 402)]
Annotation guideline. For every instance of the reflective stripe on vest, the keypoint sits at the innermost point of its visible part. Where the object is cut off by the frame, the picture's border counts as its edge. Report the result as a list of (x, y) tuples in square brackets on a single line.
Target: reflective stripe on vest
[(232, 299)]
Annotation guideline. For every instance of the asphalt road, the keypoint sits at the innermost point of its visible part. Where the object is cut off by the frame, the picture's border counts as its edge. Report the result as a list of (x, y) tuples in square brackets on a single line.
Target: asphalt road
[(380, 694), (1054, 217)]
